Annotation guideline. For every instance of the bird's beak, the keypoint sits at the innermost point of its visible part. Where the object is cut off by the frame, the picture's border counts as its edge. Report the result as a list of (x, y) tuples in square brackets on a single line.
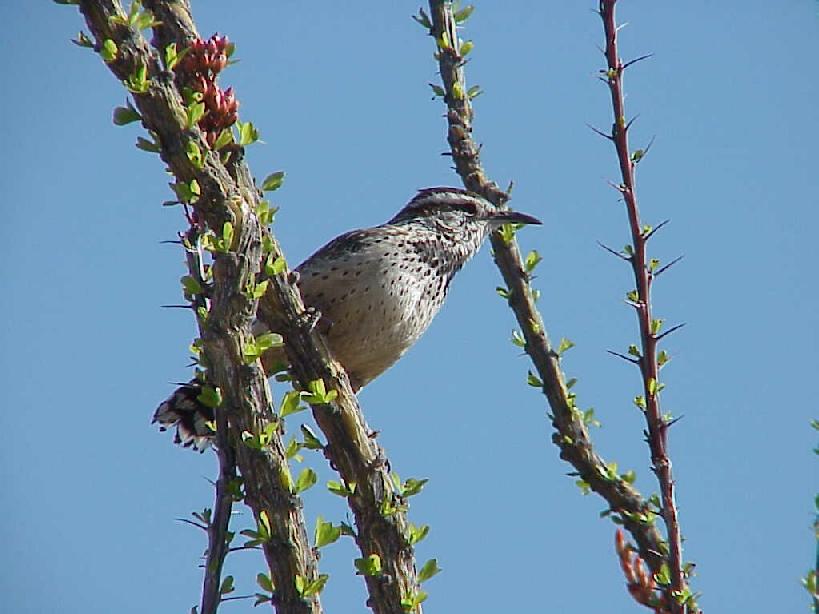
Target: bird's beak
[(513, 217)]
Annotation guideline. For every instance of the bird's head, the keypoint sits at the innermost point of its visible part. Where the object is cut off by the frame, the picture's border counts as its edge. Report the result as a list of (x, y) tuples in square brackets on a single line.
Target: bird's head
[(456, 209)]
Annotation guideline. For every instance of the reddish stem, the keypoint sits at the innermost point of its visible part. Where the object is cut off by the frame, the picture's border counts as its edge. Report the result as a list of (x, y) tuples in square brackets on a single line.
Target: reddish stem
[(657, 426)]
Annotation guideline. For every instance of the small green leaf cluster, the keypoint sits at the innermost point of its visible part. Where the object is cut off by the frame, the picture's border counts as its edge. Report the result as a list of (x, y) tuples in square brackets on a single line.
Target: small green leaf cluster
[(369, 565), (219, 245), (342, 489), (138, 81), (261, 535), (409, 488), (248, 134), (317, 394), (136, 18), (307, 588)]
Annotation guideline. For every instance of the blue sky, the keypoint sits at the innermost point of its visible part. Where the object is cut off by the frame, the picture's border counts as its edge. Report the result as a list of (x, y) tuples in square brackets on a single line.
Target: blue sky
[(339, 92)]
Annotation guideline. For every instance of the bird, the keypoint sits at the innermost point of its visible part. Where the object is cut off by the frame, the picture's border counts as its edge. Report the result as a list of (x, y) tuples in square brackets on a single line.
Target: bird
[(376, 289)]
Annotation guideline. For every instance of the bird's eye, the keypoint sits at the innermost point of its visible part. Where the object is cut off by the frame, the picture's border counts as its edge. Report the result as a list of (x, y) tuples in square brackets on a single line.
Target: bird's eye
[(466, 206)]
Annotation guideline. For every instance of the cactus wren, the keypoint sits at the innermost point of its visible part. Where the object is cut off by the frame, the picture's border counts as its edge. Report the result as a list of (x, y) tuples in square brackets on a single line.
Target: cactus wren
[(377, 290)]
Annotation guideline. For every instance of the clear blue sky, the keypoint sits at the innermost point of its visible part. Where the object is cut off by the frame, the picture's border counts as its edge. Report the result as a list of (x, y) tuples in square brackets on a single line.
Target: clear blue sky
[(339, 92)]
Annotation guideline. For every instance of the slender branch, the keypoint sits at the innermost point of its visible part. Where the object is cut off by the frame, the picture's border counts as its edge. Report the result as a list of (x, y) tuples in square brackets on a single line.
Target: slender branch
[(227, 195), (649, 367), (217, 529), (571, 435)]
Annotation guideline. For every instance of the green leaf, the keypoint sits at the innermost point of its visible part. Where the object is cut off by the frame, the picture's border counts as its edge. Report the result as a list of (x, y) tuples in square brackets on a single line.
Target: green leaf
[(474, 91), (462, 15), (656, 325), (533, 259), (326, 533), (144, 21), (194, 154), (269, 340), (227, 235), (210, 397), (589, 419), (318, 394), (466, 47), (437, 90), (663, 577), (423, 19), (633, 296), (652, 386), (342, 490), (584, 486), (518, 339), (411, 602), (191, 285), (369, 566), (503, 292), (565, 346), (291, 450), (264, 582), (416, 534), (193, 114), (640, 402), (507, 233), (273, 181), (429, 569), (225, 138), (307, 478), (146, 145), (412, 487), (533, 380), (259, 291), (266, 213), (137, 82), (247, 133), (109, 51), (126, 115), (663, 358), (316, 586), (227, 586), (311, 442), (291, 404), (275, 267)]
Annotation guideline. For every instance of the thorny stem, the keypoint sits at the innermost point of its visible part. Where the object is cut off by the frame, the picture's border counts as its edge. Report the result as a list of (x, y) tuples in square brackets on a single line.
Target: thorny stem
[(217, 529), (571, 435), (227, 194), (643, 275)]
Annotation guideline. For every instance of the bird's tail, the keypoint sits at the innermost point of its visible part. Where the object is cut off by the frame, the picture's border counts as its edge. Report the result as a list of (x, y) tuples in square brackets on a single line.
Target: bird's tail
[(189, 415)]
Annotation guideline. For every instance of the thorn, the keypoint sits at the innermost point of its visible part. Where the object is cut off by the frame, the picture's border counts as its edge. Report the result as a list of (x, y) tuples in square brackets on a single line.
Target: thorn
[(655, 229), (668, 266), (191, 522), (631, 359), (171, 242), (611, 251), (176, 306), (446, 153), (617, 186), (673, 421), (631, 121), (648, 147), (600, 132), (635, 60), (669, 331)]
